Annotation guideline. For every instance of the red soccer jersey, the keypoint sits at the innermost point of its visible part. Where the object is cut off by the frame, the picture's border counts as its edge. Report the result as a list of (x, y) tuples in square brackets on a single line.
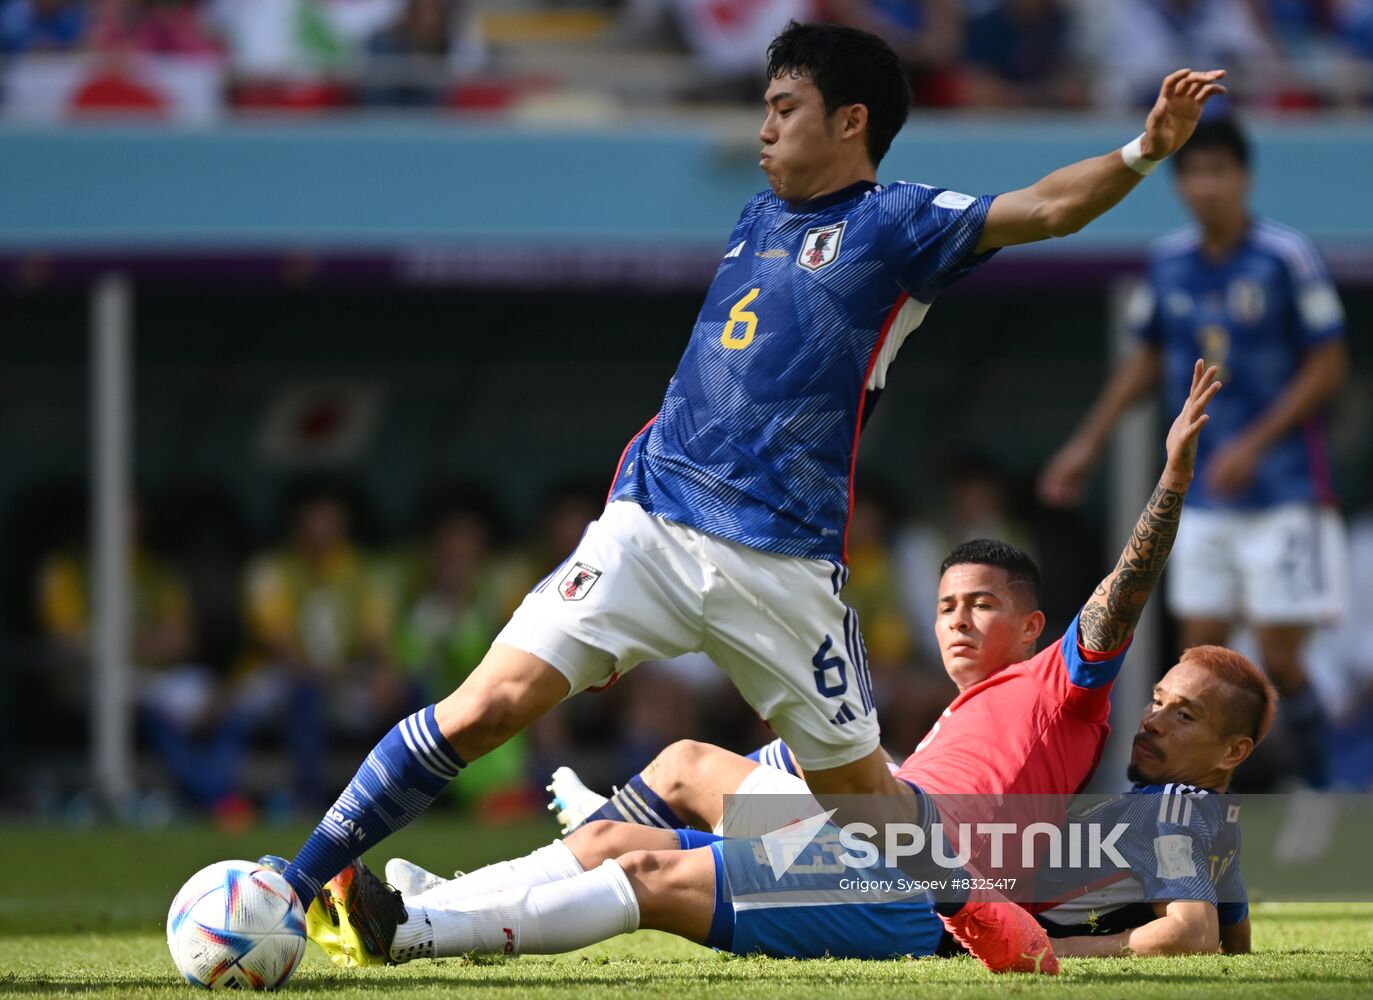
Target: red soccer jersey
[(1034, 728)]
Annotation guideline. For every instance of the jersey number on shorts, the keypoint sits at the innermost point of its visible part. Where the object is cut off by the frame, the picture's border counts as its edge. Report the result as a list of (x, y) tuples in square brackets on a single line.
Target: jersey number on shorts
[(738, 313), (825, 664)]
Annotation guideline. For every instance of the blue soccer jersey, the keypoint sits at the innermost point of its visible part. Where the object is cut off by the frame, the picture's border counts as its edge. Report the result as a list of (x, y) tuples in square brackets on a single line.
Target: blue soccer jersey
[(758, 434), (1255, 315), (1181, 843)]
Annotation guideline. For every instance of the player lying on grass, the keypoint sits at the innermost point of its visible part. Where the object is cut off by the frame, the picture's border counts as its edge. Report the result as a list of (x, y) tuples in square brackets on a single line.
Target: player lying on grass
[(607, 878), (1023, 724), (725, 527), (689, 782)]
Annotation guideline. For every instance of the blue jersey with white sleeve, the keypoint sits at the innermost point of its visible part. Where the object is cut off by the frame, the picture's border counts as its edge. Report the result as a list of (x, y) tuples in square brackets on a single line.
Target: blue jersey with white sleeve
[(757, 436), (1180, 843), (1255, 315)]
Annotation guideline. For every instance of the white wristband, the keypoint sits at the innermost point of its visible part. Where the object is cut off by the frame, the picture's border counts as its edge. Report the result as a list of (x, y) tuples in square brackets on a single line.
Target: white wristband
[(1133, 155)]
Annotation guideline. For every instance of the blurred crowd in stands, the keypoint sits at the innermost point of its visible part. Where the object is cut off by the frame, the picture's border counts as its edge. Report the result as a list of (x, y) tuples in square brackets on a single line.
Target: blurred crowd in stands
[(258, 672), (262, 671), (198, 58)]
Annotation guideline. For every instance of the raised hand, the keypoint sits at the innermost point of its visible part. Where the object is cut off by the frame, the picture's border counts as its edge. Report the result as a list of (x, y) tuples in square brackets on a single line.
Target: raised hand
[(1182, 436), (1111, 614), (1175, 114)]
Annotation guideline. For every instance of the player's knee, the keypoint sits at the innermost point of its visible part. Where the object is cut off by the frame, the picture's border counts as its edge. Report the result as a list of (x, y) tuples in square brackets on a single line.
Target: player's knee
[(597, 841), (670, 773), (648, 868), (479, 723)]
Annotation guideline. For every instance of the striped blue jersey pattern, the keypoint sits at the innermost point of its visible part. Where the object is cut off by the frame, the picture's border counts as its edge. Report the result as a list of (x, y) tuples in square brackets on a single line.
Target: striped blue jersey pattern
[(1182, 842), (1255, 314), (757, 435)]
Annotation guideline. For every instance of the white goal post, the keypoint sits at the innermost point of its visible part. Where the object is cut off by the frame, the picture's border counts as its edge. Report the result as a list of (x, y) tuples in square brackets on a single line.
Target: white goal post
[(111, 485)]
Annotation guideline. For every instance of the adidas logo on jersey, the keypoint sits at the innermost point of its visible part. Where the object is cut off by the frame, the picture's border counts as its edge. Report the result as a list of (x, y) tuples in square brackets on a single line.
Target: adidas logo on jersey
[(736, 251)]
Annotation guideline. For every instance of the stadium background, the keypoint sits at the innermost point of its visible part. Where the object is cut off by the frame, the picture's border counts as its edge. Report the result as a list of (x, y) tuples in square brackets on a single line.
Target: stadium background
[(424, 269)]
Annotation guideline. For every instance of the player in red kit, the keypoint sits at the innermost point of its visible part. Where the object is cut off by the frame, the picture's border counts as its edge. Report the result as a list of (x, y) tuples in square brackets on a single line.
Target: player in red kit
[(1050, 712)]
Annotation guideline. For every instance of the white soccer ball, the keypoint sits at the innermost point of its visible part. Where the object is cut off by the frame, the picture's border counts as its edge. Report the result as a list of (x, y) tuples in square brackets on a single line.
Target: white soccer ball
[(236, 925)]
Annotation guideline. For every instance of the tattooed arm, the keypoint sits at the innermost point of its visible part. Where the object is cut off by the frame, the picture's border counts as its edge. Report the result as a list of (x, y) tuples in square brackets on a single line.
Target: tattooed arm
[(1110, 616)]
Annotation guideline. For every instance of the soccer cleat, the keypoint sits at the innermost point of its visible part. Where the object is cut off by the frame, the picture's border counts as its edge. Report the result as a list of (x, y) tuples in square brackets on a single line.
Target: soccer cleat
[(1003, 937), (572, 801), (411, 879), (358, 915)]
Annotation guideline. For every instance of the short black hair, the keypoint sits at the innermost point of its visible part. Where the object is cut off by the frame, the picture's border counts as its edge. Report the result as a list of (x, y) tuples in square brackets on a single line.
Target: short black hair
[(1019, 567), (847, 66), (1223, 133)]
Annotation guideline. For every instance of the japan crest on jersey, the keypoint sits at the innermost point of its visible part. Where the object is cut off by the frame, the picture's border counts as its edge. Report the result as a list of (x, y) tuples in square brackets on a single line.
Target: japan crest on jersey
[(821, 246), (578, 581), (1246, 300)]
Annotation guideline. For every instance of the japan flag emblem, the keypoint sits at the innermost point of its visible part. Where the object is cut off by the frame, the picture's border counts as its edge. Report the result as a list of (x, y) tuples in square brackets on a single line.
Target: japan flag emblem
[(578, 581), (820, 248)]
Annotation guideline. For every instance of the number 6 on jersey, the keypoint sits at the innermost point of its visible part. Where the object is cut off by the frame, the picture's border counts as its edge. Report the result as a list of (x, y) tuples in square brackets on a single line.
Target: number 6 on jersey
[(739, 313)]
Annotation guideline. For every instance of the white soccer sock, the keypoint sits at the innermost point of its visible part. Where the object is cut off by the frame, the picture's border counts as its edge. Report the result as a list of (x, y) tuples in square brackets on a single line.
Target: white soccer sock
[(543, 920), (552, 863), (414, 938)]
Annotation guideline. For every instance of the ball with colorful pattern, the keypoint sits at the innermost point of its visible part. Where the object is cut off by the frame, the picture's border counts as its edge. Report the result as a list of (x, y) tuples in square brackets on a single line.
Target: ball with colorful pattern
[(236, 925)]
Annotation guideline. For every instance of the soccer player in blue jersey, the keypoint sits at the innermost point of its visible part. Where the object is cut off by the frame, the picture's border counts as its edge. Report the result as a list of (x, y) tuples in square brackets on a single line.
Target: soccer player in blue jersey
[(1182, 892), (1260, 542), (725, 526)]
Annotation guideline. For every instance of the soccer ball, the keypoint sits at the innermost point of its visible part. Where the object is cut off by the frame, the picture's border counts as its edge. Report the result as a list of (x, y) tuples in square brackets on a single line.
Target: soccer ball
[(236, 925)]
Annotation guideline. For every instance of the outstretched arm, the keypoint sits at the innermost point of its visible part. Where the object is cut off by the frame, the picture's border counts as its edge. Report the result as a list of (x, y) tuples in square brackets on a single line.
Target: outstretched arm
[(1184, 927), (1115, 606), (1067, 199)]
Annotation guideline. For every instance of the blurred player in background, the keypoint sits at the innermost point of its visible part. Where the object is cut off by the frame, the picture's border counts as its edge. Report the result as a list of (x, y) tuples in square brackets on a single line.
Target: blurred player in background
[(1261, 543), (726, 523)]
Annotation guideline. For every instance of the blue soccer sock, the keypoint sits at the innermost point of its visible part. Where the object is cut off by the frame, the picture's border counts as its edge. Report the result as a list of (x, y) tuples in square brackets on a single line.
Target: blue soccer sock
[(1307, 724), (776, 754), (637, 803), (411, 765)]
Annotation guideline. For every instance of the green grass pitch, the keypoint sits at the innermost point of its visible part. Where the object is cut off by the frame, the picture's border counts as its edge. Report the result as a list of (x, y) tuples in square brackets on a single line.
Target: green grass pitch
[(81, 914)]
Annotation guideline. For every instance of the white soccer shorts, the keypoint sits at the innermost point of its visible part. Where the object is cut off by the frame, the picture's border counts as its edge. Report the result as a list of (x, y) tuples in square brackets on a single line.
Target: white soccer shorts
[(768, 799), (1286, 565), (642, 588)]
